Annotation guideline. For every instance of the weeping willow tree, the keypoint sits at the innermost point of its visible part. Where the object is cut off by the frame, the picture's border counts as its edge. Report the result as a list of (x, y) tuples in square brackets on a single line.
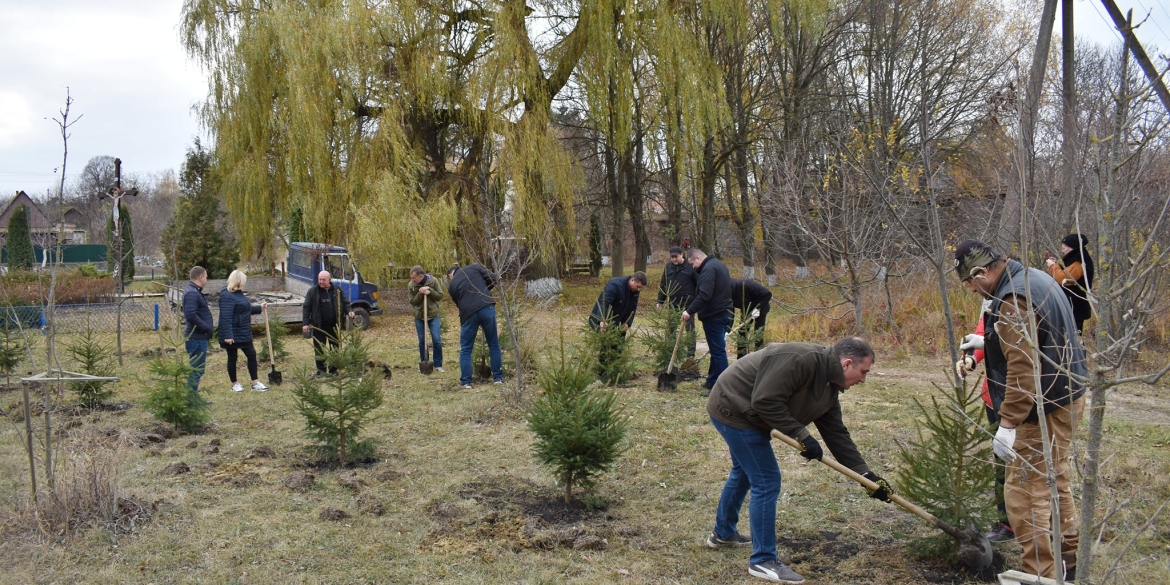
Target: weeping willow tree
[(418, 131)]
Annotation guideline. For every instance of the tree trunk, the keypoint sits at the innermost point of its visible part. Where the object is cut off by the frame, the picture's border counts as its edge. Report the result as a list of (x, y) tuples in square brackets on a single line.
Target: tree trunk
[(617, 207), (705, 239)]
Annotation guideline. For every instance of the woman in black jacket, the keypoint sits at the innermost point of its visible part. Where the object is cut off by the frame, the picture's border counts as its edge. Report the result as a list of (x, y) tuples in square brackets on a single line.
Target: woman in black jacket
[(235, 328), (1074, 273)]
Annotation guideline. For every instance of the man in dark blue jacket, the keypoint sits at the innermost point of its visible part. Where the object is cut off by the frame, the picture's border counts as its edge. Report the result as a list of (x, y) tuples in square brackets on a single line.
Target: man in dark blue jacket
[(470, 289), (753, 300), (712, 305), (615, 307), (678, 288), (199, 328)]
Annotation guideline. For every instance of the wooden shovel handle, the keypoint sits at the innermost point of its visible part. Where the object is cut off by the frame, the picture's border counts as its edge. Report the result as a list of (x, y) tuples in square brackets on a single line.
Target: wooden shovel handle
[(268, 333), (868, 484), (677, 339)]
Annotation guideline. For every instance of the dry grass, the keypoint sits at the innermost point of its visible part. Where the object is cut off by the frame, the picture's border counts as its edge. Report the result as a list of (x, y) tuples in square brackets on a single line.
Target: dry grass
[(458, 498)]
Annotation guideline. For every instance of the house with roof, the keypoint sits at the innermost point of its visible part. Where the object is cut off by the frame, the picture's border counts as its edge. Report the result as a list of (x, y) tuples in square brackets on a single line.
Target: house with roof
[(44, 233)]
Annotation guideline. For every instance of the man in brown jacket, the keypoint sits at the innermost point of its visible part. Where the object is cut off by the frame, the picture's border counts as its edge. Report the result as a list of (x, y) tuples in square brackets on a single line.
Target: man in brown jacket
[(784, 386), (1030, 372)]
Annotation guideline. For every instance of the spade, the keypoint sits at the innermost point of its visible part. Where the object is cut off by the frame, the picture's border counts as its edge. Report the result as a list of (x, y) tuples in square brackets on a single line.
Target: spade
[(668, 380)]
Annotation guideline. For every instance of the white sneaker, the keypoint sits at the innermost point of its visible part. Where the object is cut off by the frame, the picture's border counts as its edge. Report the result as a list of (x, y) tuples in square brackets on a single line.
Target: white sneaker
[(237, 387), (466, 386), (440, 370), (259, 386)]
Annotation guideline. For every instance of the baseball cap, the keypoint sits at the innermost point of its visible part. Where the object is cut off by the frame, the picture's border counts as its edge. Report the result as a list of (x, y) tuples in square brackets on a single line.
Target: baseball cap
[(972, 254)]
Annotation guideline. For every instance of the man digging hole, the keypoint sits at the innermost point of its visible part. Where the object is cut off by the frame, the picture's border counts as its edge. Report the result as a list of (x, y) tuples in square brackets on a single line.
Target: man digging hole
[(784, 386)]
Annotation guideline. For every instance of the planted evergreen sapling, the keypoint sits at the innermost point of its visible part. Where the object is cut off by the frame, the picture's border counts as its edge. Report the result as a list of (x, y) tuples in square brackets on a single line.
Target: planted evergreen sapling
[(11, 353), (96, 359), (610, 351), (170, 398), (279, 332), (338, 408), (663, 331), (579, 432), (946, 468)]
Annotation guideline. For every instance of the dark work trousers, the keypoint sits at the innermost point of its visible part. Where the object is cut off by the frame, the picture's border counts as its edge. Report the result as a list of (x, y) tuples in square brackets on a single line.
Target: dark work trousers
[(233, 355), (321, 341), (1000, 470), (755, 330)]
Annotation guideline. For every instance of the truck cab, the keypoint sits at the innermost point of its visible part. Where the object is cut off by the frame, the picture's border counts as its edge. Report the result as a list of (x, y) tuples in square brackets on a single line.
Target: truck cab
[(307, 259)]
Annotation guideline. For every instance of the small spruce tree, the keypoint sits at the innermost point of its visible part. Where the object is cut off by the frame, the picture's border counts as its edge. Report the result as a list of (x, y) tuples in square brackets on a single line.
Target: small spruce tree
[(11, 352), (611, 351), (279, 332), (96, 359), (946, 467), (20, 248), (579, 432), (664, 323), (169, 398), (338, 408)]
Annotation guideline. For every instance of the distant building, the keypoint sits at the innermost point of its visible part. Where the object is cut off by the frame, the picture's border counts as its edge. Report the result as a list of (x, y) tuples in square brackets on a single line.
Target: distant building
[(43, 233)]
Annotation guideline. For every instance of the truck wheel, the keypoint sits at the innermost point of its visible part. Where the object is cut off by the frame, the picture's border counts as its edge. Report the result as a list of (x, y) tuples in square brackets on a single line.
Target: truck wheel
[(361, 318)]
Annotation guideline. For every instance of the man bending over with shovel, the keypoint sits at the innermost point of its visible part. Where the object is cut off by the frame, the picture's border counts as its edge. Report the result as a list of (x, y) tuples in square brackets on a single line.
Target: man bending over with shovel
[(784, 386)]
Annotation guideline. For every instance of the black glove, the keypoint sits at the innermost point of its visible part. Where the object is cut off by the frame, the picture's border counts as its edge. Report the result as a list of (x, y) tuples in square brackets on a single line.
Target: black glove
[(811, 449), (884, 488)]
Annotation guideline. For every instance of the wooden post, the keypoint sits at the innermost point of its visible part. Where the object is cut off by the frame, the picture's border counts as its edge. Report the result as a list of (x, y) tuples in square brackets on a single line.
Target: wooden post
[(1069, 97), (28, 440), (1139, 54)]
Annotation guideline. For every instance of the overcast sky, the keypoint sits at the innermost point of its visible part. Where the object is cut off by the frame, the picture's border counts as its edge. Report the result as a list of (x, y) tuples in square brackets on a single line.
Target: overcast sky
[(134, 87)]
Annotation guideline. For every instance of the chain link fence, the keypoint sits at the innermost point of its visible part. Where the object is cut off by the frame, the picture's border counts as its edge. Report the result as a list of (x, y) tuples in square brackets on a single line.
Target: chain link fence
[(137, 315)]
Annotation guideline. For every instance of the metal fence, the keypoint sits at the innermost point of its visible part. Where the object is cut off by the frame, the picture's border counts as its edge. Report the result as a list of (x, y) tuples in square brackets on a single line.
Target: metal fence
[(137, 315)]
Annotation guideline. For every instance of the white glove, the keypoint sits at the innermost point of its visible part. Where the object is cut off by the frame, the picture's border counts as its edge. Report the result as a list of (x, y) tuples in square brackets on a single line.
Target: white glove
[(965, 365), (755, 313), (1002, 444), (971, 341)]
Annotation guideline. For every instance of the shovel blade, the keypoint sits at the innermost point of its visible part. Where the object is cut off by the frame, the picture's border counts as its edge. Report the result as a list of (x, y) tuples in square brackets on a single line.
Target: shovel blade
[(427, 367), (275, 378), (974, 549), (667, 382)]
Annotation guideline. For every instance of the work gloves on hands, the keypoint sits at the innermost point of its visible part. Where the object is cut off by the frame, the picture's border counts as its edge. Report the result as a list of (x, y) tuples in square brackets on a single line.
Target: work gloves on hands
[(1002, 444), (810, 449), (971, 342), (884, 489)]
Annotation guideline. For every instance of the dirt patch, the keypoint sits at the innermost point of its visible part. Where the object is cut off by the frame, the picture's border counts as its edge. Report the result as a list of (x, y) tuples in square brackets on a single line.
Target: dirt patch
[(177, 468), (299, 481), (333, 514), (828, 556), (516, 514), (262, 451), (350, 480), (371, 506)]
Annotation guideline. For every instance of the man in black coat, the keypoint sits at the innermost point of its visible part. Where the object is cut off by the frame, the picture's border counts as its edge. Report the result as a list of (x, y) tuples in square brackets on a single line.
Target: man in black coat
[(615, 307), (470, 289), (678, 288), (712, 305), (199, 325), (321, 315), (753, 300)]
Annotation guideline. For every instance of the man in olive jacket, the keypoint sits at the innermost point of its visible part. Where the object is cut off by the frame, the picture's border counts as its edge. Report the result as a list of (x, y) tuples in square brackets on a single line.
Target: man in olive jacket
[(784, 386), (426, 288), (321, 314)]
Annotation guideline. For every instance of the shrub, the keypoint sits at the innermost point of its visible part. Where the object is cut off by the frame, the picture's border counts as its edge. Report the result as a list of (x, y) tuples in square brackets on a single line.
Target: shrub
[(169, 397), (579, 432), (337, 408), (20, 248), (610, 351), (96, 359), (664, 323)]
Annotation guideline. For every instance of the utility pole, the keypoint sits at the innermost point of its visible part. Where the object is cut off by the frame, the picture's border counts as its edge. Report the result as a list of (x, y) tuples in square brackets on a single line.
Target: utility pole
[(1139, 54), (1068, 74), (116, 193)]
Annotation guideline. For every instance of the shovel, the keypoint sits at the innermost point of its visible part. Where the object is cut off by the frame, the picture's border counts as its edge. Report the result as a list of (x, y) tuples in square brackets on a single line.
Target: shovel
[(426, 366), (274, 377), (668, 380), (974, 548)]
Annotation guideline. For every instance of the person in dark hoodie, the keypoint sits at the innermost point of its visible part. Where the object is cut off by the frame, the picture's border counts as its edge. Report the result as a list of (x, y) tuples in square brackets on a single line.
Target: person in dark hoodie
[(1074, 273), (235, 329), (678, 288), (753, 300), (199, 328), (470, 289), (712, 305), (783, 387)]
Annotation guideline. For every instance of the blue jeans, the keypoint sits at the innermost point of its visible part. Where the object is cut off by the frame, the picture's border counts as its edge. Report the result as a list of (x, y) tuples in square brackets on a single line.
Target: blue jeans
[(754, 467), (485, 319), (197, 350), (436, 340), (715, 328)]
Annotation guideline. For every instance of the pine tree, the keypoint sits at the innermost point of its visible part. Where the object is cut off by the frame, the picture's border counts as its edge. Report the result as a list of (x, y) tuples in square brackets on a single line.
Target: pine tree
[(20, 248), (338, 408), (594, 245), (947, 467), (279, 332), (611, 351), (660, 338), (127, 235), (11, 352), (195, 234), (579, 432), (96, 359), (169, 398)]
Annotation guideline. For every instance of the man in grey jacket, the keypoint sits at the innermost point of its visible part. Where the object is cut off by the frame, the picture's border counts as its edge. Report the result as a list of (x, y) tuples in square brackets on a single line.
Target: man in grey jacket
[(784, 386)]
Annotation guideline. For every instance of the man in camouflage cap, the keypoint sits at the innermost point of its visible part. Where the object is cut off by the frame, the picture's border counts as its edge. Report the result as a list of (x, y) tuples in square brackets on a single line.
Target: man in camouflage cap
[(1020, 396)]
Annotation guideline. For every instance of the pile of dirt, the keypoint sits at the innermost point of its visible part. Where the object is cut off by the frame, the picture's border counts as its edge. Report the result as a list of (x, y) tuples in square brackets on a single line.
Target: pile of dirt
[(517, 514)]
